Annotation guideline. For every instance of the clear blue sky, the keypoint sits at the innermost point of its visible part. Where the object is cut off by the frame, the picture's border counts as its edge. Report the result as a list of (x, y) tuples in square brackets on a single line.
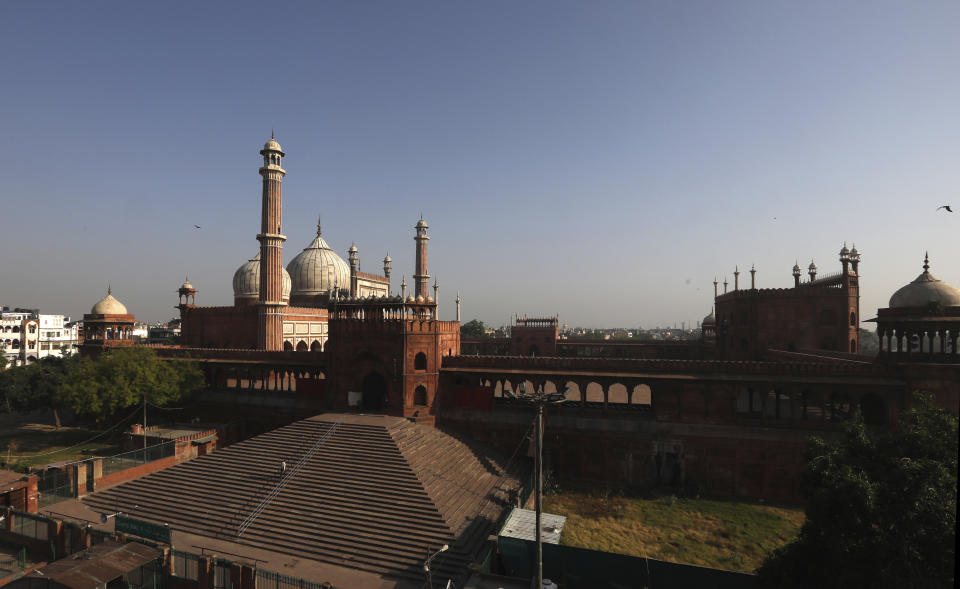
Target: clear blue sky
[(600, 160)]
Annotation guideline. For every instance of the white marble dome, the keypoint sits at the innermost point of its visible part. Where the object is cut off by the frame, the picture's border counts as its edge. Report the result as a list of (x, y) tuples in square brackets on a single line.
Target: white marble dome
[(924, 290), (272, 145), (318, 269), (709, 320), (246, 281), (108, 305)]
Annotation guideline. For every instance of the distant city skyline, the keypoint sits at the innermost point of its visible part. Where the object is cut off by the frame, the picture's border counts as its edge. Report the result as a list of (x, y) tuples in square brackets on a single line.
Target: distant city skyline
[(598, 161)]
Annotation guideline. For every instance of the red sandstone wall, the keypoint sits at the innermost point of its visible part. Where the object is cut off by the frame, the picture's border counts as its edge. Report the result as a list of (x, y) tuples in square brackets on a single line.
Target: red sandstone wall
[(750, 321)]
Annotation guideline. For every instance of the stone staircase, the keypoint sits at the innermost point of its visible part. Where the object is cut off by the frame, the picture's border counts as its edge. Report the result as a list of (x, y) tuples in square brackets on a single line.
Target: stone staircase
[(377, 494)]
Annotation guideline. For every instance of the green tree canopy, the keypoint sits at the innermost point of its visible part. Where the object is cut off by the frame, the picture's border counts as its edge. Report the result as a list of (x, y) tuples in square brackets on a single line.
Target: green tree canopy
[(122, 377), (473, 328), (882, 508), (35, 386)]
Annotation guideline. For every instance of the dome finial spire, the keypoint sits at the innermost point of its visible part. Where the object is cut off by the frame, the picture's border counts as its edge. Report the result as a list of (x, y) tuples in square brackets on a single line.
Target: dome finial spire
[(109, 288), (319, 219), (926, 261)]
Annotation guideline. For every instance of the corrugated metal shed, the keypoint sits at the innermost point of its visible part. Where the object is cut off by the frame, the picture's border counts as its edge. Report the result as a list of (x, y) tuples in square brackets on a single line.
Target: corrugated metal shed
[(522, 522), (96, 566)]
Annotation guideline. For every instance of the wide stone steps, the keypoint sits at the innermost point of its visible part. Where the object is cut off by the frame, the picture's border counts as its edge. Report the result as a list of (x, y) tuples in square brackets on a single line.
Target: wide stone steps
[(379, 494)]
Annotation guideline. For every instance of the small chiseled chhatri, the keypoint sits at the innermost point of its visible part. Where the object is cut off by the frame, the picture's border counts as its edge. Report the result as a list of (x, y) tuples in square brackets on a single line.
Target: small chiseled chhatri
[(107, 325), (922, 323)]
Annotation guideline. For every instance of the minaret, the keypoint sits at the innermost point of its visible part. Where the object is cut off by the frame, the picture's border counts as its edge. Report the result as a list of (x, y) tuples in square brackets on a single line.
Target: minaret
[(403, 288), (436, 287), (725, 285), (812, 270), (420, 278), (796, 273), (387, 266), (352, 256), (270, 329), (845, 258), (855, 259), (753, 277), (715, 283), (458, 306), (736, 278)]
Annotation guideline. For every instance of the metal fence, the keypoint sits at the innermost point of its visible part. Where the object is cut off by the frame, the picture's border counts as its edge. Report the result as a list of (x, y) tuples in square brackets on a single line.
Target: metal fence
[(30, 525), (112, 464), (55, 485), (185, 565), (221, 574), (271, 580), (10, 564)]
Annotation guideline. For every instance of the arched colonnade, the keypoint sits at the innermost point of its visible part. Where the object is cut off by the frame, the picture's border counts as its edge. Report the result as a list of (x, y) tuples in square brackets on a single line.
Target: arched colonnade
[(260, 378)]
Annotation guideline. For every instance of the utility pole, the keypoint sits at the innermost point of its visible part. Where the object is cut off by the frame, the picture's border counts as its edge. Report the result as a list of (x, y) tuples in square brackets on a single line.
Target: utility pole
[(144, 428), (539, 499), (539, 398)]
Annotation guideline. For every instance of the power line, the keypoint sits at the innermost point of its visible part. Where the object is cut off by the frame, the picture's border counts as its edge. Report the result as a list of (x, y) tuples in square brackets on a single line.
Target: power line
[(104, 432)]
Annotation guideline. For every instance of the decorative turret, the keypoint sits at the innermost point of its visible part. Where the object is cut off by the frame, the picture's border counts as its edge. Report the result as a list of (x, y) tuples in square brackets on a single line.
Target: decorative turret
[(421, 278), (796, 273), (715, 283), (354, 259), (845, 258), (436, 286), (725, 285), (736, 278), (403, 287), (855, 259), (812, 270), (387, 267), (458, 306), (753, 277), (188, 294)]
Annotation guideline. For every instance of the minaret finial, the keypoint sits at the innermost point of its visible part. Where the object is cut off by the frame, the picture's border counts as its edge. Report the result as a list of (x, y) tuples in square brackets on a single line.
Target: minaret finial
[(926, 261), (109, 288), (271, 134), (319, 219)]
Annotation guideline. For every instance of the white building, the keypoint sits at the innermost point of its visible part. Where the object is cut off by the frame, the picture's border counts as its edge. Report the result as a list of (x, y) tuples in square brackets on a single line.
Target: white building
[(27, 336)]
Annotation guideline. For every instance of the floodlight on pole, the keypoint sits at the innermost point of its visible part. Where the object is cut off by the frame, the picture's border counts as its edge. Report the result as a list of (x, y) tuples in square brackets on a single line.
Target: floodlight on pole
[(426, 564), (539, 399)]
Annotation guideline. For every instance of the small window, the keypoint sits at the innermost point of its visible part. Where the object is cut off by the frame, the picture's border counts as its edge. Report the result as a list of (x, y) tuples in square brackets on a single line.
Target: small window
[(420, 361), (853, 319), (420, 395)]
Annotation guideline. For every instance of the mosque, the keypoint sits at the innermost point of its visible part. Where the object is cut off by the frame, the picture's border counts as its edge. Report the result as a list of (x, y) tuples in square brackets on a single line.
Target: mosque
[(322, 336), (277, 308)]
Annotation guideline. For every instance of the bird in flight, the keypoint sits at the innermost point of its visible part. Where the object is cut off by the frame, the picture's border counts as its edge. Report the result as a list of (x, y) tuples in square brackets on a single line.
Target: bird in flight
[(949, 210), (197, 226)]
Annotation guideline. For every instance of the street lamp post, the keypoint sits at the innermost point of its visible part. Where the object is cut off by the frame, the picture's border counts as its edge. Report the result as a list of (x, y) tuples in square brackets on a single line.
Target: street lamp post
[(538, 399), (426, 564)]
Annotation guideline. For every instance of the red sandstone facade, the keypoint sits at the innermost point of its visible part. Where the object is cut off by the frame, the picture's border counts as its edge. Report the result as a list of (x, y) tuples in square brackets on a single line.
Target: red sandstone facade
[(821, 314)]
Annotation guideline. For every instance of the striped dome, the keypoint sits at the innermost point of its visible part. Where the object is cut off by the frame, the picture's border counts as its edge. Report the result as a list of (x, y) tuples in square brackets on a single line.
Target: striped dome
[(318, 269), (246, 280)]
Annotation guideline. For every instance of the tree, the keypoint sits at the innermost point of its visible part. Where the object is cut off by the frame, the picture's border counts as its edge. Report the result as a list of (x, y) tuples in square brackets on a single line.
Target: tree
[(3, 361), (473, 328), (35, 386), (881, 508), (869, 343), (123, 377)]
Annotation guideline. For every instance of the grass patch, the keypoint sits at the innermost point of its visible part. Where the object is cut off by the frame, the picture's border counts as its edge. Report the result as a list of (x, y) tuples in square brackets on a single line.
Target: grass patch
[(718, 534), (36, 444)]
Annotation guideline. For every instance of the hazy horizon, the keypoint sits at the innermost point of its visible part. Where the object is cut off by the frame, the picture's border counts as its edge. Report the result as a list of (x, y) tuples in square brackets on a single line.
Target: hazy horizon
[(598, 161)]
